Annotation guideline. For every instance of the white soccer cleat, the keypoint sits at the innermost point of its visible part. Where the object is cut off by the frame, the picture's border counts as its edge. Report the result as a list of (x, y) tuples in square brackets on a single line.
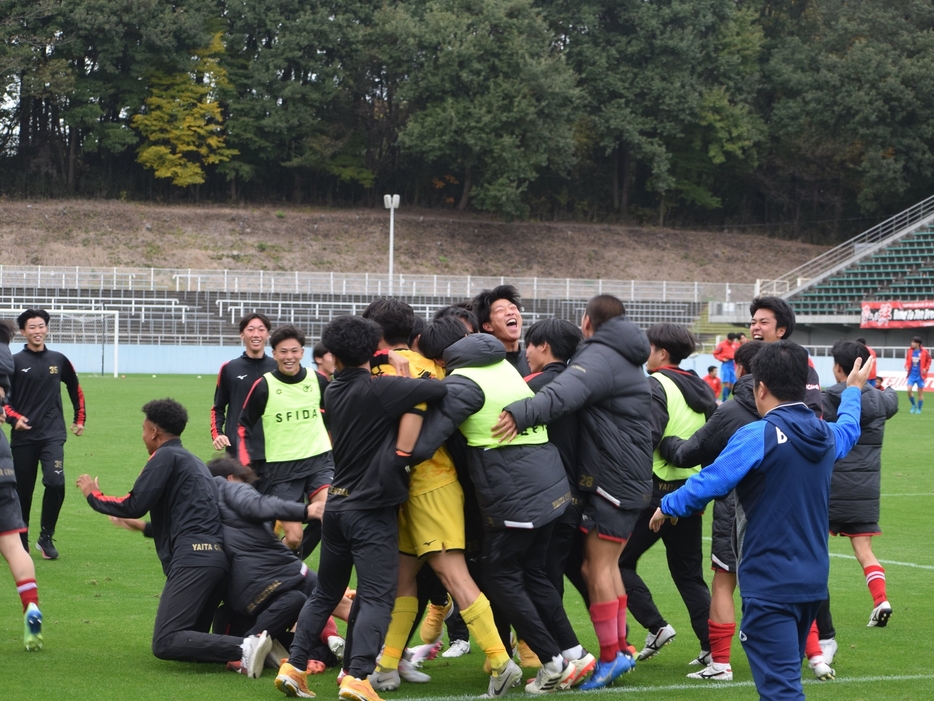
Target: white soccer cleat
[(656, 641), (829, 649), (880, 615), (277, 654), (458, 648), (336, 646), (385, 681), (504, 679), (715, 671), (410, 673), (546, 681), (255, 648), (703, 659), (821, 669)]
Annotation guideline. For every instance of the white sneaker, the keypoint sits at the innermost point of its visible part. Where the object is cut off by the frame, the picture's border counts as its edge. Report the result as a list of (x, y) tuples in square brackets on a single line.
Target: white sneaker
[(714, 671), (385, 681), (703, 659), (255, 648), (880, 615), (821, 669), (408, 672), (458, 648), (276, 654), (656, 641), (546, 681), (336, 646), (503, 680), (829, 648)]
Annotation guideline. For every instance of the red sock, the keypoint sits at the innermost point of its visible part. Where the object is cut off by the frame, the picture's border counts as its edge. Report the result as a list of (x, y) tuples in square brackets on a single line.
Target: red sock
[(875, 580), (812, 645), (330, 628), (28, 592), (721, 640), (621, 622), (604, 617)]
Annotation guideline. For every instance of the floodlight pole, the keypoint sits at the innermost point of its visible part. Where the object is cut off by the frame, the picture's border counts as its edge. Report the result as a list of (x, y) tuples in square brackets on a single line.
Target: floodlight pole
[(391, 202)]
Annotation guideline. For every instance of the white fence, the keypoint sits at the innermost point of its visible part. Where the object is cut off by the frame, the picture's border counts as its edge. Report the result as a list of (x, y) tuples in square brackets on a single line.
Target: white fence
[(371, 284)]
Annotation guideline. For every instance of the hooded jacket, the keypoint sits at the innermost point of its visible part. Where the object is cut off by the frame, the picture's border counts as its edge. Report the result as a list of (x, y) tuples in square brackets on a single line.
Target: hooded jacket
[(605, 384), (517, 486), (260, 565), (781, 468), (709, 441), (854, 491)]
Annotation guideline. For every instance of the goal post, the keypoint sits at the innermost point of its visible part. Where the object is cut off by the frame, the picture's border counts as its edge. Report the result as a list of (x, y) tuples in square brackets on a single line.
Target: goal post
[(82, 326)]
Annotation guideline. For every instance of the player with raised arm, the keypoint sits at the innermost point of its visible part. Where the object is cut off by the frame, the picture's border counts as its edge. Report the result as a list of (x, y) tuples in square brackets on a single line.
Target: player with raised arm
[(781, 467)]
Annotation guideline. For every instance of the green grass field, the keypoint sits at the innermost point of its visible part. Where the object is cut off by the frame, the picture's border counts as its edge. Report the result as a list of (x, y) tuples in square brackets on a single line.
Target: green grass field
[(99, 599)]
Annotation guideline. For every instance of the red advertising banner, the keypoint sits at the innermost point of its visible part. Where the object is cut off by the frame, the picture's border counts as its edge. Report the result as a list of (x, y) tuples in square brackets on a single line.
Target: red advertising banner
[(897, 315), (899, 381)]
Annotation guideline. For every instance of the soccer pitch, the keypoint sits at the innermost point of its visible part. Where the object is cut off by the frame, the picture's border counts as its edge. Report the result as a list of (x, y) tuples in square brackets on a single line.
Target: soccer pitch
[(99, 598)]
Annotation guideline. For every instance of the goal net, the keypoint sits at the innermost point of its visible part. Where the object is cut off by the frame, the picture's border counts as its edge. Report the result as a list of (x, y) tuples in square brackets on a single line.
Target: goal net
[(98, 330)]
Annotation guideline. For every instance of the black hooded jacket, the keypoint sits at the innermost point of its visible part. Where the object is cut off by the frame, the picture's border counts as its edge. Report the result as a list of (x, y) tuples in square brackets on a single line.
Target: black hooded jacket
[(854, 488), (605, 385), (517, 486), (260, 565)]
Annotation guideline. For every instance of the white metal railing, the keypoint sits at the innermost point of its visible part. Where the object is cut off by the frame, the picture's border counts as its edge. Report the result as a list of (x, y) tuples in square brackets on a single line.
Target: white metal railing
[(369, 284), (860, 246)]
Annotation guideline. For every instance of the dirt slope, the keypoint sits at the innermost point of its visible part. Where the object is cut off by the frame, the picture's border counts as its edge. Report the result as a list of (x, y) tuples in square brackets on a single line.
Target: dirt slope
[(110, 233)]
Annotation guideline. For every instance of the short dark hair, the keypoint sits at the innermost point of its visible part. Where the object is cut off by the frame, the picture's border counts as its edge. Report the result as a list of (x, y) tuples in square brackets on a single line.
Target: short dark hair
[(440, 334), (602, 308), (562, 336), (32, 314), (740, 335), (731, 336), (845, 354), (394, 317), (783, 368), (482, 302), (6, 331), (745, 353), (784, 314), (860, 340), (711, 368), (284, 333), (461, 312), (245, 321), (417, 327), (227, 466), (914, 339), (319, 350), (167, 414), (352, 339), (674, 338)]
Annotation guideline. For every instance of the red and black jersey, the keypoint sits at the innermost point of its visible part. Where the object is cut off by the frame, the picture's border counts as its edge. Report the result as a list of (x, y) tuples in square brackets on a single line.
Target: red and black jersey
[(234, 381), (180, 495), (37, 395)]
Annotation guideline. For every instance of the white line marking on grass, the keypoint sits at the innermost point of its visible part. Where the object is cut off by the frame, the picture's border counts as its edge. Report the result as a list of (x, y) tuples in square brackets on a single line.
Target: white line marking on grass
[(889, 562), (910, 494), (700, 686)]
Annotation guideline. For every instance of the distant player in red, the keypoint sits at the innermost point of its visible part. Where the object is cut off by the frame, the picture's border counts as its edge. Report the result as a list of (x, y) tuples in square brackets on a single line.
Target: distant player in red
[(917, 364), (713, 381), (724, 353)]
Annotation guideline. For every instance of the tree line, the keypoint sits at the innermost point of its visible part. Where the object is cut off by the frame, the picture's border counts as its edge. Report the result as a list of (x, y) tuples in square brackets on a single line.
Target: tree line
[(807, 117)]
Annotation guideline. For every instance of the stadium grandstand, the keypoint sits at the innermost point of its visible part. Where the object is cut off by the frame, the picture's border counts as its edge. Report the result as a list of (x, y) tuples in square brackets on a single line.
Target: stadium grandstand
[(878, 285), (202, 307)]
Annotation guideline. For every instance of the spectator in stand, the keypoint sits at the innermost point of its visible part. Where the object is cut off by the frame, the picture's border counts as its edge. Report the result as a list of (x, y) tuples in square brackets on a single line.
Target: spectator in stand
[(713, 381), (724, 353), (874, 380), (917, 364)]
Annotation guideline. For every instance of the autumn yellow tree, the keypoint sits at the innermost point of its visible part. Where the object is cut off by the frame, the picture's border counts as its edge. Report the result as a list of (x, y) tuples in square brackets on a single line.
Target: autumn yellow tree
[(182, 122)]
